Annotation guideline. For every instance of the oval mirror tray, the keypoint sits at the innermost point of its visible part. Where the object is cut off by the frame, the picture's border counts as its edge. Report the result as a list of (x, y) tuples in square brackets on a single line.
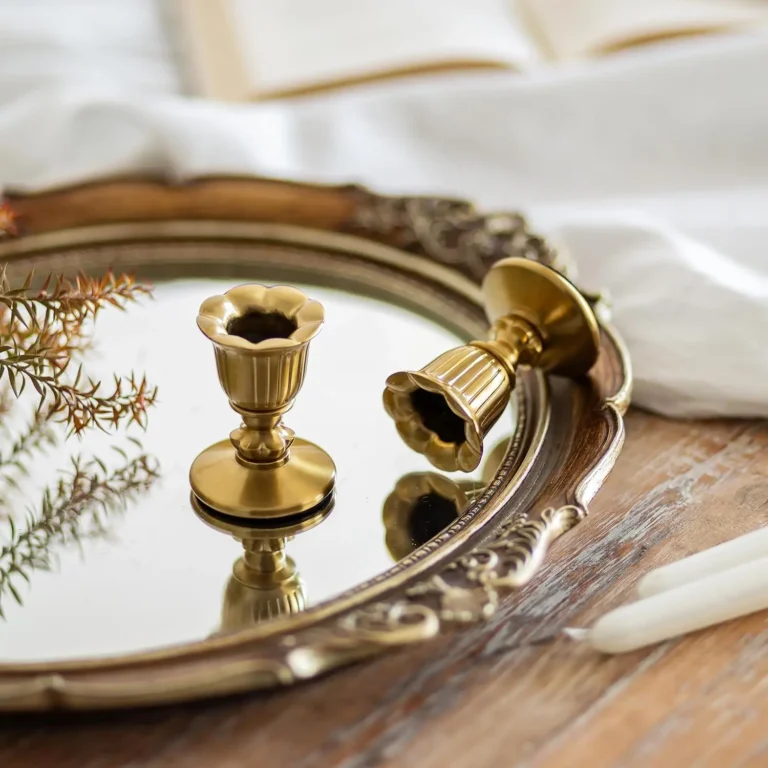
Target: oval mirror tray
[(141, 604)]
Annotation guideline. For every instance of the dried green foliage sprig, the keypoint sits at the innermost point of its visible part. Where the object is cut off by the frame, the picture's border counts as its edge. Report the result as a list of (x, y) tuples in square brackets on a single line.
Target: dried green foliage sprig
[(42, 331), (82, 403), (50, 320), (70, 301), (75, 508), (37, 435)]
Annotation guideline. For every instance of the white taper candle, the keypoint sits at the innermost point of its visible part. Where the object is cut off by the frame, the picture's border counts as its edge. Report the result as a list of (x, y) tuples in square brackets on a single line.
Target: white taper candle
[(703, 564), (720, 597)]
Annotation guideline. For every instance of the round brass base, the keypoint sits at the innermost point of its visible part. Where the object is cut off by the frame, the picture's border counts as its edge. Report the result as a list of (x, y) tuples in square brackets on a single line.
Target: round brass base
[(228, 487), (553, 305), (243, 528)]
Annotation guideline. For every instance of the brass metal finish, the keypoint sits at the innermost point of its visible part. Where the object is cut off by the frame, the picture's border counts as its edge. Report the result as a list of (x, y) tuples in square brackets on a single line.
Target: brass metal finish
[(459, 576), (538, 319), (525, 300), (261, 340), (265, 583), (421, 505)]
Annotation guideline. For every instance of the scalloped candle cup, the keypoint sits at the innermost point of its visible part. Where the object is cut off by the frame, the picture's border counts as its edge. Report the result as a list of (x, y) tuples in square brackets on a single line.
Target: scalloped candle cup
[(445, 410), (261, 339)]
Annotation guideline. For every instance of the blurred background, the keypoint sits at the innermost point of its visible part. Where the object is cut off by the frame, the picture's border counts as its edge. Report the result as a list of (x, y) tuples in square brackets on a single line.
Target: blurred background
[(631, 132)]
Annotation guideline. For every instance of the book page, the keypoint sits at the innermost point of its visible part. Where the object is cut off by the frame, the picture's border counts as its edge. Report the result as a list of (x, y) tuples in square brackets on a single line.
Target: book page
[(580, 28), (205, 37), (294, 45)]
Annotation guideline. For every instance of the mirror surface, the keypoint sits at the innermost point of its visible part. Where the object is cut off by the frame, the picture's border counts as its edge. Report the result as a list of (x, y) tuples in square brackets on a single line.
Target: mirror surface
[(159, 575)]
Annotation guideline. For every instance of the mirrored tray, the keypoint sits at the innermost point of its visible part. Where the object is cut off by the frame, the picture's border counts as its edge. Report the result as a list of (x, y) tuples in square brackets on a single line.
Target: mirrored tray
[(146, 609)]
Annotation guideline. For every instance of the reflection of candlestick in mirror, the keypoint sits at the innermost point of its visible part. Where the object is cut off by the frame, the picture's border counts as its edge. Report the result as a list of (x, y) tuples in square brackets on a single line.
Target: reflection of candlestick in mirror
[(538, 319), (265, 582), (261, 339), (494, 459), (421, 505)]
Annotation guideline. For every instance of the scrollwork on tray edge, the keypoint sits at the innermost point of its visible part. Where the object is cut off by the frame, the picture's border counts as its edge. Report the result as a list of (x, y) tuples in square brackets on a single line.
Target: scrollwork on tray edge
[(454, 233), (468, 590)]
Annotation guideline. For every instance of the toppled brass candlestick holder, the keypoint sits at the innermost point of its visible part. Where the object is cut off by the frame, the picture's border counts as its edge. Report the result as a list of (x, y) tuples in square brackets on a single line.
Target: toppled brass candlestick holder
[(265, 582), (538, 319), (261, 338)]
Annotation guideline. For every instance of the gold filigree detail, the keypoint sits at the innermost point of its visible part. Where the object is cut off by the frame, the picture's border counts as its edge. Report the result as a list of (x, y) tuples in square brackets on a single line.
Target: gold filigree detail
[(358, 634), (468, 590), (454, 233)]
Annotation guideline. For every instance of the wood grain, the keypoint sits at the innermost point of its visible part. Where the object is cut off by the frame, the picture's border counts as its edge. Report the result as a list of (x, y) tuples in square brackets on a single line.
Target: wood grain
[(513, 692)]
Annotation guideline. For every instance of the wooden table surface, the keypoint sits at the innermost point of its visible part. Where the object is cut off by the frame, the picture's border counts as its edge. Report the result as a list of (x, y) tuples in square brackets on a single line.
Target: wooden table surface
[(513, 692)]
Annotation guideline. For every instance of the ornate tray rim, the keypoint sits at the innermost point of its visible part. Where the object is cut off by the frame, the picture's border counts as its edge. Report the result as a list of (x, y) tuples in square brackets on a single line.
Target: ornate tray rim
[(353, 625)]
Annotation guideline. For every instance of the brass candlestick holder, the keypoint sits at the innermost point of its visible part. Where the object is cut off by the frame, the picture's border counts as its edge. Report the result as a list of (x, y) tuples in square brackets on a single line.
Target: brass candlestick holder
[(538, 319), (261, 339), (421, 505), (265, 582)]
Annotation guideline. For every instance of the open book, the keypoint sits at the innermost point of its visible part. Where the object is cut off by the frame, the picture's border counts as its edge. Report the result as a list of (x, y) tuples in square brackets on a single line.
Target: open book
[(250, 49)]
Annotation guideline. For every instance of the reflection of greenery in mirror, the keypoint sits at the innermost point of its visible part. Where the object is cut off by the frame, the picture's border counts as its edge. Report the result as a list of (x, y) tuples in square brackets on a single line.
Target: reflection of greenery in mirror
[(45, 398), (159, 578)]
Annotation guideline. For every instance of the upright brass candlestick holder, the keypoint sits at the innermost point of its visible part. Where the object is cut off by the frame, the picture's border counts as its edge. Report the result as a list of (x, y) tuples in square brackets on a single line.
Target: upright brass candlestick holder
[(261, 338), (538, 319)]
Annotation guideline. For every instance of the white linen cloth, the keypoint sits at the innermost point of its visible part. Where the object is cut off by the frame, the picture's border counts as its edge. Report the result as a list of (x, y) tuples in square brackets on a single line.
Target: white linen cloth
[(650, 167)]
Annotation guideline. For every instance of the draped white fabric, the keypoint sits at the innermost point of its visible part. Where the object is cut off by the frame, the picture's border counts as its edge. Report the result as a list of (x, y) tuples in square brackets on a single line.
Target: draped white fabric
[(651, 166)]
